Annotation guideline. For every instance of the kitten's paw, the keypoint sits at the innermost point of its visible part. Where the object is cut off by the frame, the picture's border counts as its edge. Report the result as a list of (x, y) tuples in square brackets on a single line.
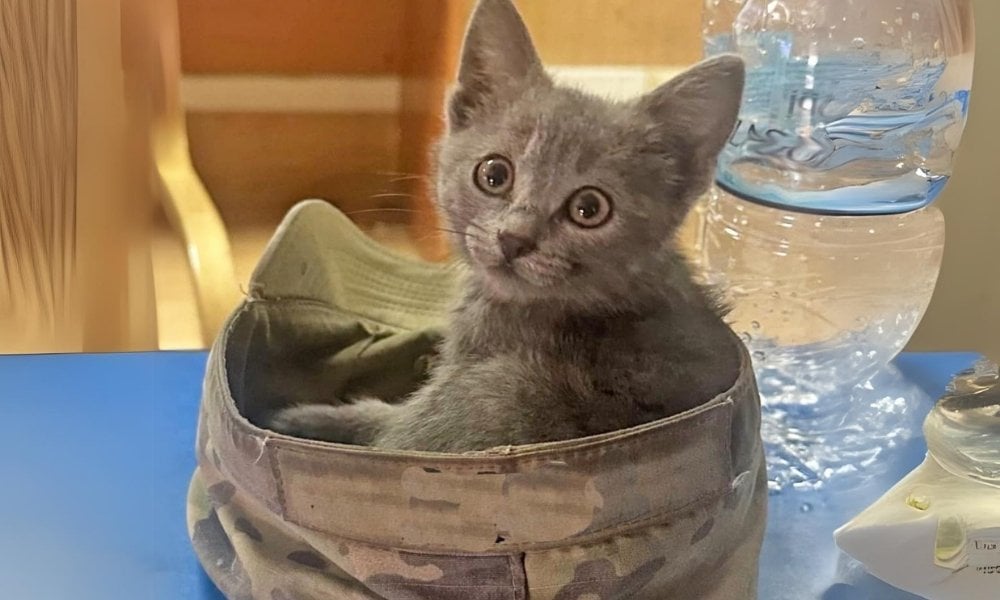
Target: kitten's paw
[(356, 423), (297, 421)]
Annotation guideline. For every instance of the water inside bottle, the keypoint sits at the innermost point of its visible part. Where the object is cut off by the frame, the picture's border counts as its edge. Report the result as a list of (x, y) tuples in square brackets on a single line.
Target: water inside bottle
[(815, 428), (867, 131), (823, 303), (814, 435)]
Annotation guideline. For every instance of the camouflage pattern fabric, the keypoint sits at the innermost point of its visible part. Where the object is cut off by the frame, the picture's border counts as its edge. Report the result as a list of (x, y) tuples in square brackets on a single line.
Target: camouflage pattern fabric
[(670, 509)]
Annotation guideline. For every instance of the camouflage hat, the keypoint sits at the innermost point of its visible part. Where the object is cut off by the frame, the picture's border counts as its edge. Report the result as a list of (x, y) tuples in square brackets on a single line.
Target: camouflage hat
[(669, 509)]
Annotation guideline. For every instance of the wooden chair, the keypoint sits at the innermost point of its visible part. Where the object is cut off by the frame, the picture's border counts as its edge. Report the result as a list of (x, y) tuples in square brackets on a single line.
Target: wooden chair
[(183, 195)]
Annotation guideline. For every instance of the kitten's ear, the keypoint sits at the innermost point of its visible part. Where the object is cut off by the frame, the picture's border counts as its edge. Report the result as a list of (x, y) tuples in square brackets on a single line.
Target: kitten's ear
[(498, 62), (700, 106)]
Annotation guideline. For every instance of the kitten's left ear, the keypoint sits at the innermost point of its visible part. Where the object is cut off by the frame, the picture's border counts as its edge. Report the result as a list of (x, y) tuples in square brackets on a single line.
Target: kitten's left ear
[(498, 62), (700, 106)]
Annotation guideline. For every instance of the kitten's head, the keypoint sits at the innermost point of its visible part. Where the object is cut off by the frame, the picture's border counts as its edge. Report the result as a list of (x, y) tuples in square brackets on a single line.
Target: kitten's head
[(557, 195)]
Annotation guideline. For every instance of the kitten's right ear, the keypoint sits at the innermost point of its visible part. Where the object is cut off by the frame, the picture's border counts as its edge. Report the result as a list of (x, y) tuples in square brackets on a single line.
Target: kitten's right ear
[(498, 62), (699, 107), (702, 104)]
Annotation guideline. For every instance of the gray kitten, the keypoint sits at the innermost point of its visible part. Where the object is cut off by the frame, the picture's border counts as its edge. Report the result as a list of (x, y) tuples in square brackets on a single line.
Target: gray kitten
[(578, 316)]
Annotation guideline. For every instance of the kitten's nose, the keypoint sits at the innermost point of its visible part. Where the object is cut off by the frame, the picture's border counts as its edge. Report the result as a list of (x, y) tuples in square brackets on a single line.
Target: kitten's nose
[(513, 245)]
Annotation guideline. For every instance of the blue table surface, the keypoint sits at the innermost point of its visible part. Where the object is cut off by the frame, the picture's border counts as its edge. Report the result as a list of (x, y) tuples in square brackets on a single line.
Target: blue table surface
[(97, 451)]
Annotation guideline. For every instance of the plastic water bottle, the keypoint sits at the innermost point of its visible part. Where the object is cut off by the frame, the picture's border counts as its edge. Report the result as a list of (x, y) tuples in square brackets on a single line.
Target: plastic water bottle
[(821, 226)]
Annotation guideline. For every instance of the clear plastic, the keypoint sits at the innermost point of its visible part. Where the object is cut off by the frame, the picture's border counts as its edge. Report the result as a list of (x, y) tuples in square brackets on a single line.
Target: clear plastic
[(963, 430), (851, 106), (820, 300), (823, 303), (820, 228)]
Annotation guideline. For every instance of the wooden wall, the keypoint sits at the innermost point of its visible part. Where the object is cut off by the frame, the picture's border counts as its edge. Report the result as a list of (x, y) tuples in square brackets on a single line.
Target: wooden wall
[(375, 36), (256, 164), (293, 36), (615, 32)]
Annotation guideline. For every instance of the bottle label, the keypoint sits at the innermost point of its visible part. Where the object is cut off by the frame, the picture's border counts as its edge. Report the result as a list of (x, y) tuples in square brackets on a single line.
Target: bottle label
[(860, 130), (983, 550)]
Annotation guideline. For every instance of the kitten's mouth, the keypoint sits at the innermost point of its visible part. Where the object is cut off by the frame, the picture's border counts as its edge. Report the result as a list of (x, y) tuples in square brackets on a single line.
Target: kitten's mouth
[(503, 281), (524, 278), (503, 272)]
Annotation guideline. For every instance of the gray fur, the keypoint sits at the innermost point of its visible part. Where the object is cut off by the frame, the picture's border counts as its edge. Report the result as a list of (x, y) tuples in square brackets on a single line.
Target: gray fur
[(596, 329)]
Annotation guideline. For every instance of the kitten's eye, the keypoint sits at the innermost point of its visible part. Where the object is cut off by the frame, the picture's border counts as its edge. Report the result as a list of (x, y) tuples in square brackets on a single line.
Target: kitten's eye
[(589, 207), (495, 175)]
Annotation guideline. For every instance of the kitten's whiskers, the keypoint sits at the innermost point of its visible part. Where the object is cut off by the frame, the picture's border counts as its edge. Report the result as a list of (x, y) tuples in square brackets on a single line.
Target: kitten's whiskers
[(461, 233), (380, 210)]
